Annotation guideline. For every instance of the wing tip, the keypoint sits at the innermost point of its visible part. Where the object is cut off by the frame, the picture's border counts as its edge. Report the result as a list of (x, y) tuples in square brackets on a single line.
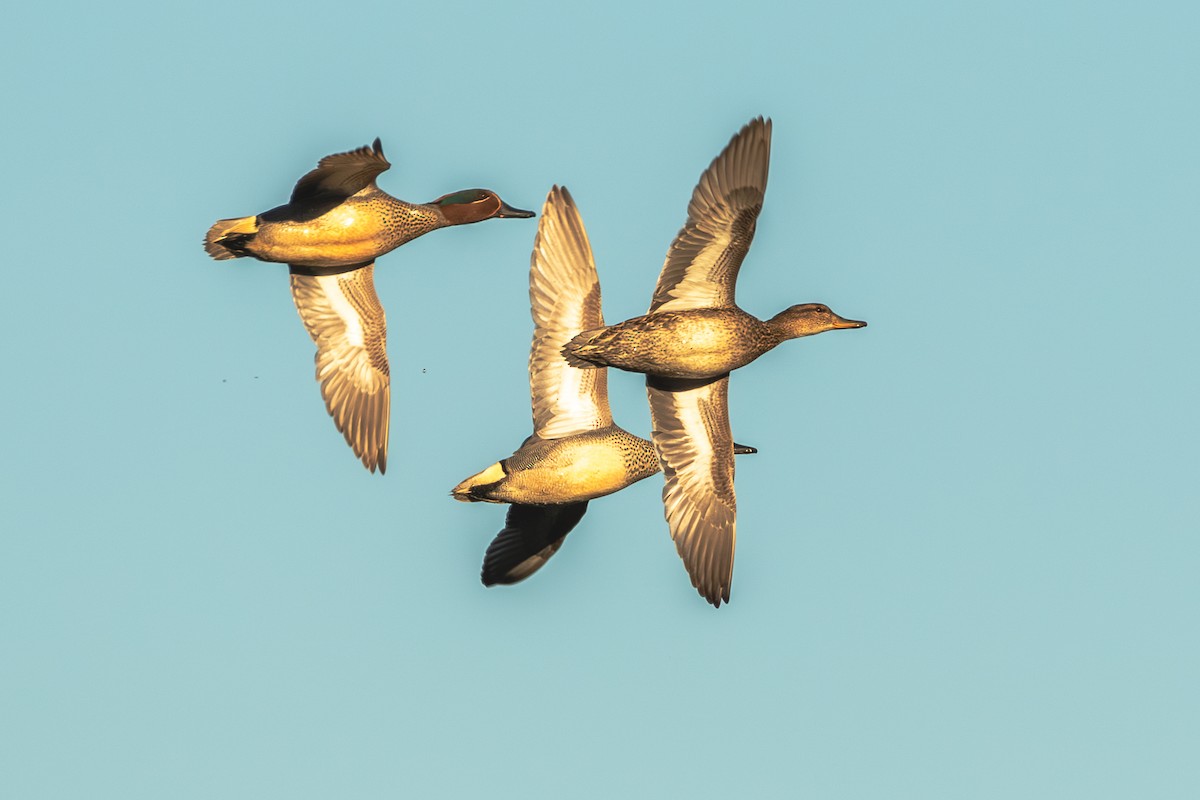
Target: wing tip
[(714, 598), (380, 461)]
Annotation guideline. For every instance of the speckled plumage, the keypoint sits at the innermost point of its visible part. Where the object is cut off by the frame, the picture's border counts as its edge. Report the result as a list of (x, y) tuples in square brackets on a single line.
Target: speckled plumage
[(694, 328), (692, 337), (330, 232), (576, 452), (677, 344), (361, 228), (582, 466)]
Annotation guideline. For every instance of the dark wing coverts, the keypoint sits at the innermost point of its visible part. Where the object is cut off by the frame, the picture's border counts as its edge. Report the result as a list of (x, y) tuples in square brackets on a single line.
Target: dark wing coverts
[(531, 535), (341, 174)]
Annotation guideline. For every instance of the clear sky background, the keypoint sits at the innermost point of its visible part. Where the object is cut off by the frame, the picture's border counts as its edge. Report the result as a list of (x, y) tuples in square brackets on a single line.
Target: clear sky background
[(968, 554)]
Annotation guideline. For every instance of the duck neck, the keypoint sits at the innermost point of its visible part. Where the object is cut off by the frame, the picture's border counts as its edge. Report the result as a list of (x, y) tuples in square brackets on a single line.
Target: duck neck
[(789, 325), (422, 217), (777, 329)]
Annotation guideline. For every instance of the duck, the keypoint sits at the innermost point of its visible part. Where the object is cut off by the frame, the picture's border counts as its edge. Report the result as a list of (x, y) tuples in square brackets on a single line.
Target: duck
[(337, 222), (693, 336), (576, 452)]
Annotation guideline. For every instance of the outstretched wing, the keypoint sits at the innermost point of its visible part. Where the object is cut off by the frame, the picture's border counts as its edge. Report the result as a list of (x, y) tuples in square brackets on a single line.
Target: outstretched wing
[(695, 446), (564, 299), (531, 535), (343, 316), (341, 174), (703, 262)]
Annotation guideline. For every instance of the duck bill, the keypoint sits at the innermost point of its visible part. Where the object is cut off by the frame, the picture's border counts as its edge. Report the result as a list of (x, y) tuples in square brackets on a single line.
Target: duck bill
[(506, 211), (841, 322)]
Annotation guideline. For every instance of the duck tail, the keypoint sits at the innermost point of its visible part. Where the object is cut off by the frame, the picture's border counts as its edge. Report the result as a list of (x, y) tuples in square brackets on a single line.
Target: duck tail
[(580, 351), (228, 237), (478, 488)]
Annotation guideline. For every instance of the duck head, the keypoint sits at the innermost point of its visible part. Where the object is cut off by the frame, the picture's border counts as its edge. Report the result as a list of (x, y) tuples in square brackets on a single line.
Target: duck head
[(475, 205), (809, 318)]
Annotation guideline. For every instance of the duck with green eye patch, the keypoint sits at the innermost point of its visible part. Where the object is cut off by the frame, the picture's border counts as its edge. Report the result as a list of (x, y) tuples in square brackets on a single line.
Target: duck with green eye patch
[(337, 222)]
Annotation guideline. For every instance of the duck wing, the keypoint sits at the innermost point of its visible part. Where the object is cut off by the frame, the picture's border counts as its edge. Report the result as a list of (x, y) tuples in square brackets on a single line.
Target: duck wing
[(341, 174), (564, 299), (702, 264), (695, 446), (530, 536), (344, 317)]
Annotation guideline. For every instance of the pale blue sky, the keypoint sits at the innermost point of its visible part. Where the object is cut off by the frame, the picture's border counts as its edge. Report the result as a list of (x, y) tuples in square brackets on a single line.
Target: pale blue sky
[(968, 546)]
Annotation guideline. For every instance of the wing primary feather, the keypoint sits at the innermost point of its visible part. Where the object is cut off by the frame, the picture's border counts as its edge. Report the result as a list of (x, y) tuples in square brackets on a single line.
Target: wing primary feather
[(531, 535), (564, 298)]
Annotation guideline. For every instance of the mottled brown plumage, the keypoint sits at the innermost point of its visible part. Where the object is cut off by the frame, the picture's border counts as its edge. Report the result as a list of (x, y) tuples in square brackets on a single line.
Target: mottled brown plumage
[(692, 337), (581, 466), (694, 328), (330, 232), (677, 344), (576, 452)]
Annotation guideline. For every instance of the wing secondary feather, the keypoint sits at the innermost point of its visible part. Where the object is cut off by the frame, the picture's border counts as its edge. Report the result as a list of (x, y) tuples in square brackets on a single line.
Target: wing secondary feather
[(343, 316), (530, 536), (564, 299), (695, 446)]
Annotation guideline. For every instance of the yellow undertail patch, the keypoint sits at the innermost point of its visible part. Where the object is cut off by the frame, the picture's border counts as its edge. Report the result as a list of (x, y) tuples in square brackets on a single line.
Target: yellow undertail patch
[(492, 474)]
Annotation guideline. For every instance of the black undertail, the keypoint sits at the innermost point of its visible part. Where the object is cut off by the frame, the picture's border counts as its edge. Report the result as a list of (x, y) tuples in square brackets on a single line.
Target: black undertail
[(237, 242), (483, 491)]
